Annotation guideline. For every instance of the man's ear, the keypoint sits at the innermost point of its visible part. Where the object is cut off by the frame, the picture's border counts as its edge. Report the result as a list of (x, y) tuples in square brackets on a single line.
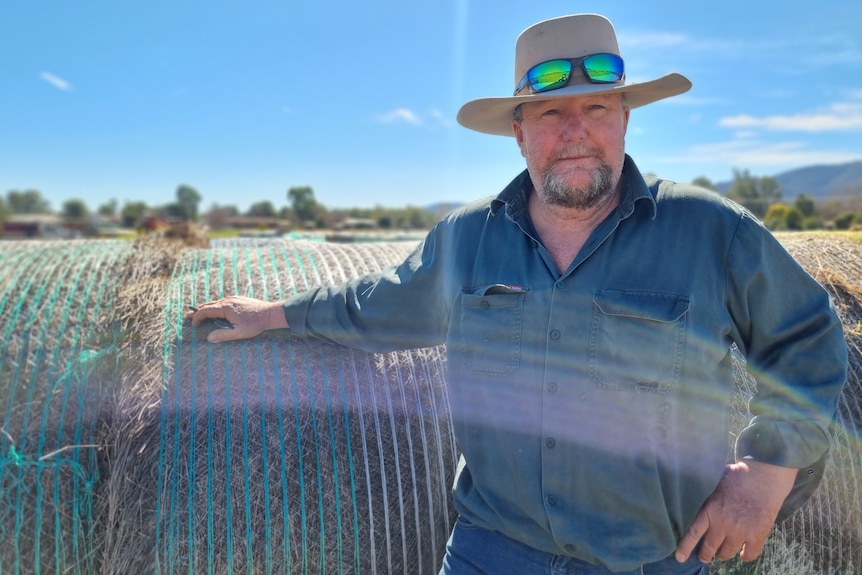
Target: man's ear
[(519, 136)]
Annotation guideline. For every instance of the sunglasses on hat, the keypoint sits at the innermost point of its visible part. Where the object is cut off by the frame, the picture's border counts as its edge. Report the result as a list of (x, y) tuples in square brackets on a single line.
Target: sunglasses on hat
[(554, 74)]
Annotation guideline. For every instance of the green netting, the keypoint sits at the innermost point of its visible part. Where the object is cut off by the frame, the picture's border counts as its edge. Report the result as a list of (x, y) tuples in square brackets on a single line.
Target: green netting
[(131, 445), (56, 335)]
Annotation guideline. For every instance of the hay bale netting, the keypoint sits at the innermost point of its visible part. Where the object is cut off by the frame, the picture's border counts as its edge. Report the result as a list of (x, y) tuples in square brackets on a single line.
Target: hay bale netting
[(56, 334), (825, 535), (129, 444), (275, 455)]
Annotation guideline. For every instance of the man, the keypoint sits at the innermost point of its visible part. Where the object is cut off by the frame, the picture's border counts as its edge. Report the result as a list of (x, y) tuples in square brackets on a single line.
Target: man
[(588, 315)]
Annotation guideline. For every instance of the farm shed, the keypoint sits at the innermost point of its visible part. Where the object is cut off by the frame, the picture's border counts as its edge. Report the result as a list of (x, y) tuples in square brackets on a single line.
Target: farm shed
[(35, 226)]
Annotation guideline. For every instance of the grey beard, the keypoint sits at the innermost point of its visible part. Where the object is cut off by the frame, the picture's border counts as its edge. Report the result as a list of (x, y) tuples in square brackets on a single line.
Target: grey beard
[(556, 192)]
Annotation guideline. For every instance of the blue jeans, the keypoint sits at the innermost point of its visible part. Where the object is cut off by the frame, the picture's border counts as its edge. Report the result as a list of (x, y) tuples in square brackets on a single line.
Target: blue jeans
[(472, 550)]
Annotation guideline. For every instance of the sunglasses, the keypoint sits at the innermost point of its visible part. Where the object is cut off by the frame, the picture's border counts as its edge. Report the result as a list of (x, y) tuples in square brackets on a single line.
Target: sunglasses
[(554, 74)]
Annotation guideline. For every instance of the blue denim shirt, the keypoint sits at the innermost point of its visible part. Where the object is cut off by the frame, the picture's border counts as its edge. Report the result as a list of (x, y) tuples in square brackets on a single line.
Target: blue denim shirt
[(591, 407)]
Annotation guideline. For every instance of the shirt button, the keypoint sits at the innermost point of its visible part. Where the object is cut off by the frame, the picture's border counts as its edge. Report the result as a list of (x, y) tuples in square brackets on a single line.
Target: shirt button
[(550, 442), (552, 387), (569, 547), (484, 304), (555, 334), (552, 501), (561, 284)]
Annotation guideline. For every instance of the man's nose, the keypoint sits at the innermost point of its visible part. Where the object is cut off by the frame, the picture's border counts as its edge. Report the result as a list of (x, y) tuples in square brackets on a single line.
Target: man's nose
[(574, 127)]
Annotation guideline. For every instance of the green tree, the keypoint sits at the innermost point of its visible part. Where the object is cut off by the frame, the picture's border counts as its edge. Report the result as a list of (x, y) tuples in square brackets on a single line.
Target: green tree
[(781, 217), (769, 189), (419, 218), (775, 216), (304, 205), (756, 194), (795, 219), (133, 214), (108, 209), (806, 205), (814, 222), (845, 221), (703, 182), (188, 199), (27, 202), (5, 210), (263, 209), (74, 209)]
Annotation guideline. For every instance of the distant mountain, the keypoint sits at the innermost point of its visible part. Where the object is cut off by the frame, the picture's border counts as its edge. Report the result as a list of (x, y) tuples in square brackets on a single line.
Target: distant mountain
[(832, 182), (828, 182), (443, 208)]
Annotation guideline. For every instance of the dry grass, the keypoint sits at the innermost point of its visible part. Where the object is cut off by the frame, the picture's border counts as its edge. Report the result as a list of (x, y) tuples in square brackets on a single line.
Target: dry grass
[(131, 445)]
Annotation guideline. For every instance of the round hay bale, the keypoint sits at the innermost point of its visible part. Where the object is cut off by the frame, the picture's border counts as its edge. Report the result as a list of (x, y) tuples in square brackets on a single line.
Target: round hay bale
[(55, 334), (276, 454), (129, 444), (825, 535)]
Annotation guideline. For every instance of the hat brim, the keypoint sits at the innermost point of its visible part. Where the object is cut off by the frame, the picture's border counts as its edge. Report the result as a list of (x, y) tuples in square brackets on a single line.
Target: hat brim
[(494, 115)]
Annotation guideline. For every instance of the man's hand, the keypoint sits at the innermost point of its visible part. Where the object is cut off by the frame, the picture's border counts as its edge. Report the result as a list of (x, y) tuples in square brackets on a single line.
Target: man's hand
[(739, 513), (250, 317)]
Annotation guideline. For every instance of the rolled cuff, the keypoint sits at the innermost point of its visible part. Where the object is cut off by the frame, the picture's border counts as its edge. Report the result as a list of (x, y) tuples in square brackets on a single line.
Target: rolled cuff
[(296, 311), (788, 444), (804, 447)]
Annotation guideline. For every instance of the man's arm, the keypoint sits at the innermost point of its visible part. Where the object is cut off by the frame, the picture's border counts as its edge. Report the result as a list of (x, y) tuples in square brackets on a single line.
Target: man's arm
[(250, 317), (794, 346), (740, 512)]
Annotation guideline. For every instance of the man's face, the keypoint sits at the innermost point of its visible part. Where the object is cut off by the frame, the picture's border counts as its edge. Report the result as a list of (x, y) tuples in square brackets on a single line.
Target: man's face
[(574, 148)]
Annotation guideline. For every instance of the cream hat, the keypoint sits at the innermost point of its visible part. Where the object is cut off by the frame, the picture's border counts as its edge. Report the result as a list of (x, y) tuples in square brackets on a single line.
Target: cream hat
[(564, 37)]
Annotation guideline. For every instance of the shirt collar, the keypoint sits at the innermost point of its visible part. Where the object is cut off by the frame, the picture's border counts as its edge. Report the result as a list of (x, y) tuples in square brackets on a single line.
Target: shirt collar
[(634, 189)]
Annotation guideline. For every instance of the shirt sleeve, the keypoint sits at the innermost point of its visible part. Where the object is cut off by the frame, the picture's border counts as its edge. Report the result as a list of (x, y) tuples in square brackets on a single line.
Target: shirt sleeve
[(400, 307), (793, 341)]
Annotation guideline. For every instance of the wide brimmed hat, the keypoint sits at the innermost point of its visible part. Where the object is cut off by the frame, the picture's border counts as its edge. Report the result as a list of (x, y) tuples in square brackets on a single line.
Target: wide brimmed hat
[(566, 37)]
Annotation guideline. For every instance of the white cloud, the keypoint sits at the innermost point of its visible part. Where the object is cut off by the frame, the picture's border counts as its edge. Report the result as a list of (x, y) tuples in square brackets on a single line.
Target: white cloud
[(434, 118), (56, 81), (400, 116), (838, 117), (748, 151)]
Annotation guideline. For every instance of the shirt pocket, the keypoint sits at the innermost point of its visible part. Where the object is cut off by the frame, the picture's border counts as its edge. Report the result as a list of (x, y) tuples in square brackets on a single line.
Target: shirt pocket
[(491, 320), (637, 340)]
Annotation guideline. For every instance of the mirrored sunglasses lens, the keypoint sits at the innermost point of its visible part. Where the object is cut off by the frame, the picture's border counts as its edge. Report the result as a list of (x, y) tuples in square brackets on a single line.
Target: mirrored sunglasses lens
[(604, 68), (549, 75)]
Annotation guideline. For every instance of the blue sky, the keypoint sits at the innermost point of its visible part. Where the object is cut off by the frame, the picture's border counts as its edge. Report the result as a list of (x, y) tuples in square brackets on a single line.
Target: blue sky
[(128, 100)]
